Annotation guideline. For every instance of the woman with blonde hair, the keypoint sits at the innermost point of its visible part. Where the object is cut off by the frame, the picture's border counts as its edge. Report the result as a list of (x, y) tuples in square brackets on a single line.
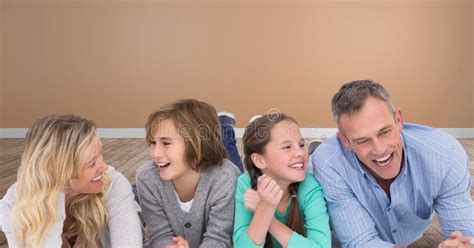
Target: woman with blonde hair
[(66, 196)]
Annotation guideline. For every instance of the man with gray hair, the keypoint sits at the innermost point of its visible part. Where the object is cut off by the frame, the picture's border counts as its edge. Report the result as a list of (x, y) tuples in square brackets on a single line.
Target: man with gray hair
[(383, 179)]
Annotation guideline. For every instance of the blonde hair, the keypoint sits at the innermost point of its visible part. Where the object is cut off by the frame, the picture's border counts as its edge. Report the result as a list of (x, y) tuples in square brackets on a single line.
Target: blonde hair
[(55, 151)]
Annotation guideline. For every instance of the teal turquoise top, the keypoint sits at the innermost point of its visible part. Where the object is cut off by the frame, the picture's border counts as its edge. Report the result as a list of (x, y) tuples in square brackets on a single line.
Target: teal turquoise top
[(312, 206)]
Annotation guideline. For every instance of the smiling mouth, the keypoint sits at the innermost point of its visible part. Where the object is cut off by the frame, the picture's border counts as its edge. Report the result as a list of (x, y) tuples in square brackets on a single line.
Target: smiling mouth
[(297, 166), (382, 162), (95, 179), (163, 165)]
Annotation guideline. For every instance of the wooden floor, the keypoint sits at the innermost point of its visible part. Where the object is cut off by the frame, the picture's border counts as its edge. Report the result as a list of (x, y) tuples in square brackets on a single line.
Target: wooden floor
[(126, 155)]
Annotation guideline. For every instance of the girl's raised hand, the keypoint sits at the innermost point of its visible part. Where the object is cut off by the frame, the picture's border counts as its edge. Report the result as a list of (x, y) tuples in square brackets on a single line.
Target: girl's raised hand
[(268, 190), (251, 199)]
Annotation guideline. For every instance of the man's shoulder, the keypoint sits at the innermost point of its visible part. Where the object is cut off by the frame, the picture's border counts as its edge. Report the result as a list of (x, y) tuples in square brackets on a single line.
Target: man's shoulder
[(432, 153), (420, 139), (330, 154), (328, 150)]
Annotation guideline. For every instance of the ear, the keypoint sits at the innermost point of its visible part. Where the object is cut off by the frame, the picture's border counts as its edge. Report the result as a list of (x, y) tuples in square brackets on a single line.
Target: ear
[(258, 161), (399, 118), (344, 140)]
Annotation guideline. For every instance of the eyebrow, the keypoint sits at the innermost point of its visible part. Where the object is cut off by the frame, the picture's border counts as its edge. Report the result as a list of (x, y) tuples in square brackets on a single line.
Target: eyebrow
[(380, 130), (385, 128), (285, 141), (289, 141), (359, 139)]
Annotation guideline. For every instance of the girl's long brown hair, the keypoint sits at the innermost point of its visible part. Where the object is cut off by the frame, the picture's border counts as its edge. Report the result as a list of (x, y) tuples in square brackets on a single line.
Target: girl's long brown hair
[(257, 135)]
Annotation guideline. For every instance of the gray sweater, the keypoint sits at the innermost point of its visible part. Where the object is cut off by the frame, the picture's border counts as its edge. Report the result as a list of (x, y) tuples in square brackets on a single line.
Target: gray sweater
[(209, 222), (123, 224)]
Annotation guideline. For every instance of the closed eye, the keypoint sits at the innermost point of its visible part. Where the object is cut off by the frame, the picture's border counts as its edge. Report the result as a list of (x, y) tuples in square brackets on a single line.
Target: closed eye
[(384, 132), (360, 142), (91, 164)]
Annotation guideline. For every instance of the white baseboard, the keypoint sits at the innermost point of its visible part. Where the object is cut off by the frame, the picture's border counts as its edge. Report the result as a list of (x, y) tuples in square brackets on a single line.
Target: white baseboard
[(13, 132), (316, 133), (459, 132)]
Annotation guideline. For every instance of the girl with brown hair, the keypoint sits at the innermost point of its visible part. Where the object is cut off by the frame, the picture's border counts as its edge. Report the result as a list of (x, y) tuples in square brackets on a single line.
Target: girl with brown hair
[(276, 189)]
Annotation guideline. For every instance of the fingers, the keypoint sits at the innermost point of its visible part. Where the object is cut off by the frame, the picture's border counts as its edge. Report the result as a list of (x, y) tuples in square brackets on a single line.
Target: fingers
[(251, 200), (250, 192), (450, 243), (457, 235), (269, 191), (267, 183), (180, 242), (264, 182), (279, 195), (453, 243), (259, 179), (276, 190)]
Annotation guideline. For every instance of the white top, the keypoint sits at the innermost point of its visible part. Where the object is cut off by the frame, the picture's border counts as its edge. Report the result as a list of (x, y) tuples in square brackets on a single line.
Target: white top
[(123, 224), (185, 206)]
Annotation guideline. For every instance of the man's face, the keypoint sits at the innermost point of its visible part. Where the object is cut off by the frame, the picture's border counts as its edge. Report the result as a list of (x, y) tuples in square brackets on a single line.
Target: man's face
[(373, 134)]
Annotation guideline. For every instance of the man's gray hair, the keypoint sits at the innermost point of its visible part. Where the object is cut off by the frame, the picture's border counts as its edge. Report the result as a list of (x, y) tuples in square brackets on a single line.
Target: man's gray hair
[(352, 96)]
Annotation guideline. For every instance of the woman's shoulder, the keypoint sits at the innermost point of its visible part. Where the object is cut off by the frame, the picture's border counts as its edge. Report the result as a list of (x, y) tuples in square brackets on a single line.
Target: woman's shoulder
[(117, 183), (6, 203), (115, 176)]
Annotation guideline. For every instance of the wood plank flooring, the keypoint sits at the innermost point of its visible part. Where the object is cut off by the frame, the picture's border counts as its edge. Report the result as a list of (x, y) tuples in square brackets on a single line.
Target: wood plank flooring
[(126, 155)]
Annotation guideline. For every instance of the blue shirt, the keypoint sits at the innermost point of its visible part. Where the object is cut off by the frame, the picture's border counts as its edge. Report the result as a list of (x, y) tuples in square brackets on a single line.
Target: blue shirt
[(434, 177)]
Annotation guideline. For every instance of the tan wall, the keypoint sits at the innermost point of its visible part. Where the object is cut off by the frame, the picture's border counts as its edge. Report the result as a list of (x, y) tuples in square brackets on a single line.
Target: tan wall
[(115, 61)]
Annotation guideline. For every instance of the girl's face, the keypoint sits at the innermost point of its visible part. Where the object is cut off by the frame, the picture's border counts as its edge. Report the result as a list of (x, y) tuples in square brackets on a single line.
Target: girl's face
[(168, 151), (285, 156), (94, 167)]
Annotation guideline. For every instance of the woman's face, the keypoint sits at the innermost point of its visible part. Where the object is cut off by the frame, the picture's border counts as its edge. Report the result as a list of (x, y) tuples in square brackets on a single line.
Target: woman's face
[(90, 180)]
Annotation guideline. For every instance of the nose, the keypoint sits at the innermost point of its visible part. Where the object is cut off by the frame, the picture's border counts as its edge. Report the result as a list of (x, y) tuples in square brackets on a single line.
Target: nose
[(102, 166), (156, 151), (301, 152), (377, 147)]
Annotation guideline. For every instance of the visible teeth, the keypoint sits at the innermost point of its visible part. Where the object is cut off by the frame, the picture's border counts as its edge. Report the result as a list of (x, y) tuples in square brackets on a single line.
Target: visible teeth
[(297, 166), (95, 179), (384, 159), (161, 164)]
